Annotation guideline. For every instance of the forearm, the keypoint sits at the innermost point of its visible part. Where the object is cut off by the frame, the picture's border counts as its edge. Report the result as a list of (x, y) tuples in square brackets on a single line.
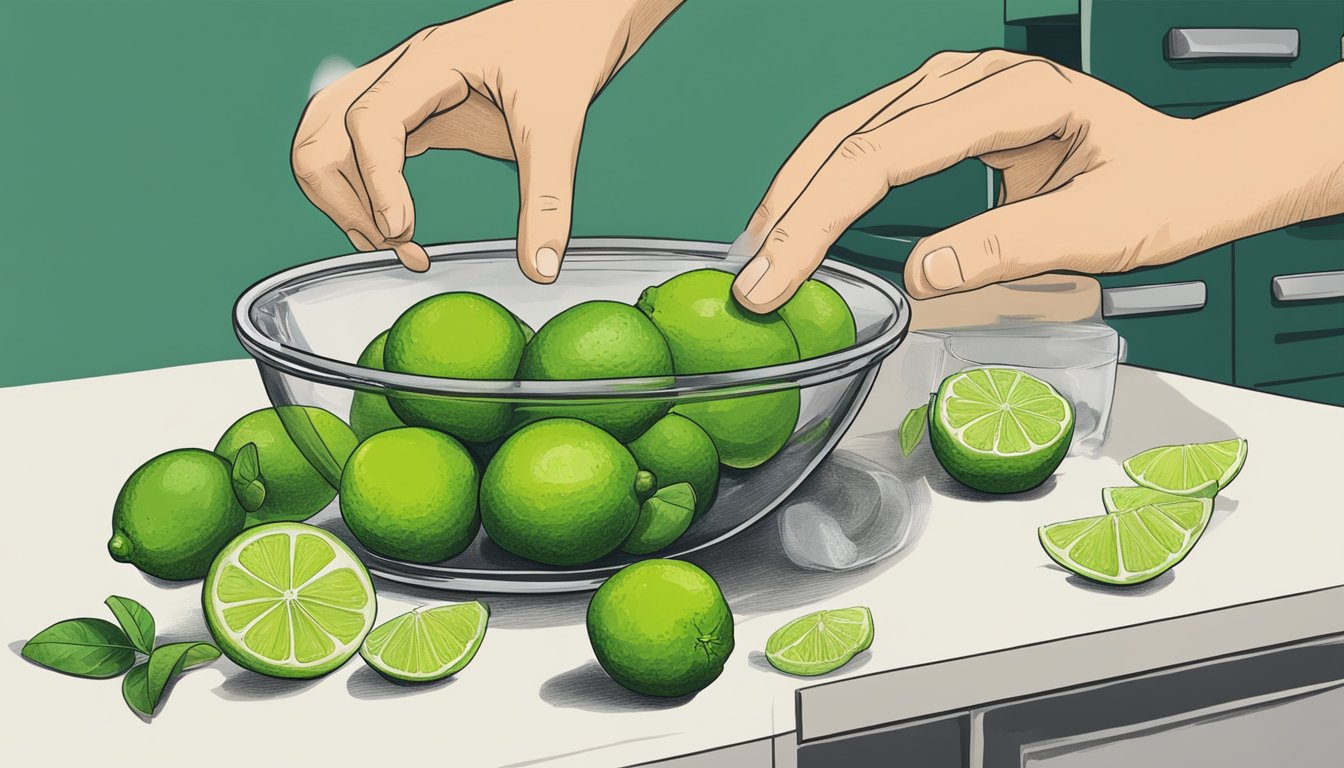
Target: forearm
[(1274, 160)]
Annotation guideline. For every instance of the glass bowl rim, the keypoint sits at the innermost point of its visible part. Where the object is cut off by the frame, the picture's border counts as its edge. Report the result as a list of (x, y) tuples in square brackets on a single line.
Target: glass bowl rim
[(326, 370)]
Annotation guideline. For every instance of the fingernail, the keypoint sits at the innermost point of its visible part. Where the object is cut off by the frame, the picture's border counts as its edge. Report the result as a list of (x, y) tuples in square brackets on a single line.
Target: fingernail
[(548, 263), (750, 275), (771, 286), (943, 270), (391, 222), (358, 240)]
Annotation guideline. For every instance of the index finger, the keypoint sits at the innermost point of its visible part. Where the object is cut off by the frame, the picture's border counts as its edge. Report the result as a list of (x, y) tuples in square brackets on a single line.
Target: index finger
[(986, 116), (409, 92)]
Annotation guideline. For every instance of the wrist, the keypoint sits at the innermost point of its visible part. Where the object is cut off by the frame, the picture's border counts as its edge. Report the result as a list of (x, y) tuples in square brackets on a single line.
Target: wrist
[(1276, 159)]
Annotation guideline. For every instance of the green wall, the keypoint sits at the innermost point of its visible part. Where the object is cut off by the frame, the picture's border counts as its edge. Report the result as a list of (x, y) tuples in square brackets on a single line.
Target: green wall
[(146, 179)]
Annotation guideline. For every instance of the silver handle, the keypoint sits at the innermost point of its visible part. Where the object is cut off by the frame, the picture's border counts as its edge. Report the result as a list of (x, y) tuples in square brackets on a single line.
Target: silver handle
[(1308, 286), (1184, 44), (1153, 299)]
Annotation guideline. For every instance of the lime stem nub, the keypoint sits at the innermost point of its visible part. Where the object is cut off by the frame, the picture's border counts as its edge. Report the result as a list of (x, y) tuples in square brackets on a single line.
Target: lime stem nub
[(645, 483), (119, 547)]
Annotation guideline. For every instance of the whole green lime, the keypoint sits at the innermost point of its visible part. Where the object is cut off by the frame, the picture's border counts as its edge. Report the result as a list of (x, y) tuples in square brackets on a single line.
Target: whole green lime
[(599, 340), (456, 336), (820, 320), (410, 494), (661, 627), (676, 450), (174, 514), (562, 492), (295, 490), (370, 412), (708, 332)]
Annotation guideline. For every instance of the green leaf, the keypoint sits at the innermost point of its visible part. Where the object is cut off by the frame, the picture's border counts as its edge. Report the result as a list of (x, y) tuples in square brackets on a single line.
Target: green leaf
[(82, 647), (246, 477), (143, 687), (135, 621), (912, 428), (680, 494)]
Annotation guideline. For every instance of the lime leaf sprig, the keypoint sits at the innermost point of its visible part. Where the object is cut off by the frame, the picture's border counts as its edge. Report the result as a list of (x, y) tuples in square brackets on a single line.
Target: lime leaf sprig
[(246, 478), (663, 518), (99, 649), (912, 428)]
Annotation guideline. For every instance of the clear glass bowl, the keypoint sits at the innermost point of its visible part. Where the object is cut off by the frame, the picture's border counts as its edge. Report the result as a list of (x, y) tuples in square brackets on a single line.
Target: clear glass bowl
[(306, 326)]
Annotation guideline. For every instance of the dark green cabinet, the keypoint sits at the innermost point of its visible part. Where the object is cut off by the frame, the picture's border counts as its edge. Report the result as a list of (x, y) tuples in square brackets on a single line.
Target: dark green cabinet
[(1177, 317), (1208, 51), (1289, 330)]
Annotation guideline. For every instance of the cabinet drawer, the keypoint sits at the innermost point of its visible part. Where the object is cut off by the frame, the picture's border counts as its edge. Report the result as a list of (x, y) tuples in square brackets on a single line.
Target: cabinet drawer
[(1177, 317), (1290, 304), (1203, 51)]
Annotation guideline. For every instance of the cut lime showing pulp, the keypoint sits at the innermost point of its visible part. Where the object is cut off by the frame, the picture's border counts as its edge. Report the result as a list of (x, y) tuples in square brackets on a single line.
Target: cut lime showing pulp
[(1132, 545), (288, 600), (1196, 469), (999, 430), (820, 642), (427, 643), (1131, 497)]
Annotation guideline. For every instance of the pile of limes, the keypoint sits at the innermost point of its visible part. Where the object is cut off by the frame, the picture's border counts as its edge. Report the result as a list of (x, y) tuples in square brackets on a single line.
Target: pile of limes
[(567, 482), (561, 482)]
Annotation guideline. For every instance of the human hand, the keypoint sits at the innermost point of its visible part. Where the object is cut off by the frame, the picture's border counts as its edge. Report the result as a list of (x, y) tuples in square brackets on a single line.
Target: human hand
[(1090, 177), (513, 81)]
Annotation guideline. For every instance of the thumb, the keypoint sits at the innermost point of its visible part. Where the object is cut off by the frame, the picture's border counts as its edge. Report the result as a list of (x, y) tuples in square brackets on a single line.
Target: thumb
[(1029, 237), (546, 144)]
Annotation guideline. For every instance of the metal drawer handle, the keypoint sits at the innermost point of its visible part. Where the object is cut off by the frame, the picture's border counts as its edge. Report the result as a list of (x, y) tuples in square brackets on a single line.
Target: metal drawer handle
[(1153, 299), (1308, 286), (1185, 44)]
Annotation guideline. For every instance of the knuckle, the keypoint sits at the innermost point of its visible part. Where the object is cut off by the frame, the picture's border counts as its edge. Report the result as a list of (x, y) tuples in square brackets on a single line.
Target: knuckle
[(943, 61), (858, 148), (762, 212)]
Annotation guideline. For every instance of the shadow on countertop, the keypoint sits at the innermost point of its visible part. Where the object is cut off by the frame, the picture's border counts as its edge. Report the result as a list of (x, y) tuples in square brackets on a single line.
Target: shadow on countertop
[(589, 688)]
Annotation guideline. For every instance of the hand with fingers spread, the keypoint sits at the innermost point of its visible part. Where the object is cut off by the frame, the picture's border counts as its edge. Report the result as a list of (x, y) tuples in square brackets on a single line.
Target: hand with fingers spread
[(513, 81), (1094, 181)]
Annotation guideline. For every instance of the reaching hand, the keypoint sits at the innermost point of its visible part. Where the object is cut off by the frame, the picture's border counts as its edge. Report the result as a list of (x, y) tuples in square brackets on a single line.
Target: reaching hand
[(1094, 181), (513, 81)]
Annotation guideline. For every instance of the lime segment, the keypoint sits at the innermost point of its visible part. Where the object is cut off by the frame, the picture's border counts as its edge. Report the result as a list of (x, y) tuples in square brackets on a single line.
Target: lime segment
[(1129, 545), (1195, 469), (427, 643), (820, 642), (288, 600)]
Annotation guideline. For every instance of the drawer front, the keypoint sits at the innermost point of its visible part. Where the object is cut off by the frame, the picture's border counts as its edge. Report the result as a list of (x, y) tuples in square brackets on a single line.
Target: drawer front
[(1178, 317), (1203, 51), (1290, 304), (1317, 389)]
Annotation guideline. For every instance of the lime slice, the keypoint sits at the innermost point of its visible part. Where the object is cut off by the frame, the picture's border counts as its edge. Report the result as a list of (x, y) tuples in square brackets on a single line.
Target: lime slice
[(820, 642), (1129, 545), (427, 643), (999, 430), (1133, 497), (288, 600), (1195, 469)]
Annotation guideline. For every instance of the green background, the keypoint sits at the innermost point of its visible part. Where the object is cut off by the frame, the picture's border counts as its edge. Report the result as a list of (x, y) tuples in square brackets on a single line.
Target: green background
[(147, 179)]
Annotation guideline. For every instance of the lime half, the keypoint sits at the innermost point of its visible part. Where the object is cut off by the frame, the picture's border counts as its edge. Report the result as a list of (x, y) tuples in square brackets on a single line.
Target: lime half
[(1131, 545), (820, 642), (1196, 469), (999, 430), (427, 643), (288, 600)]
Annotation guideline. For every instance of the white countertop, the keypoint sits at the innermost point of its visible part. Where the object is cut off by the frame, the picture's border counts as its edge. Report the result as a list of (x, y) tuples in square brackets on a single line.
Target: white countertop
[(974, 584)]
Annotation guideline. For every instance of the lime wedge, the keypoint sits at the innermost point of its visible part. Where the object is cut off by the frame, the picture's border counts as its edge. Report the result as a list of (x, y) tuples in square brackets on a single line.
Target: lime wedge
[(427, 643), (1129, 545), (999, 430), (288, 600), (820, 642), (1195, 469)]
